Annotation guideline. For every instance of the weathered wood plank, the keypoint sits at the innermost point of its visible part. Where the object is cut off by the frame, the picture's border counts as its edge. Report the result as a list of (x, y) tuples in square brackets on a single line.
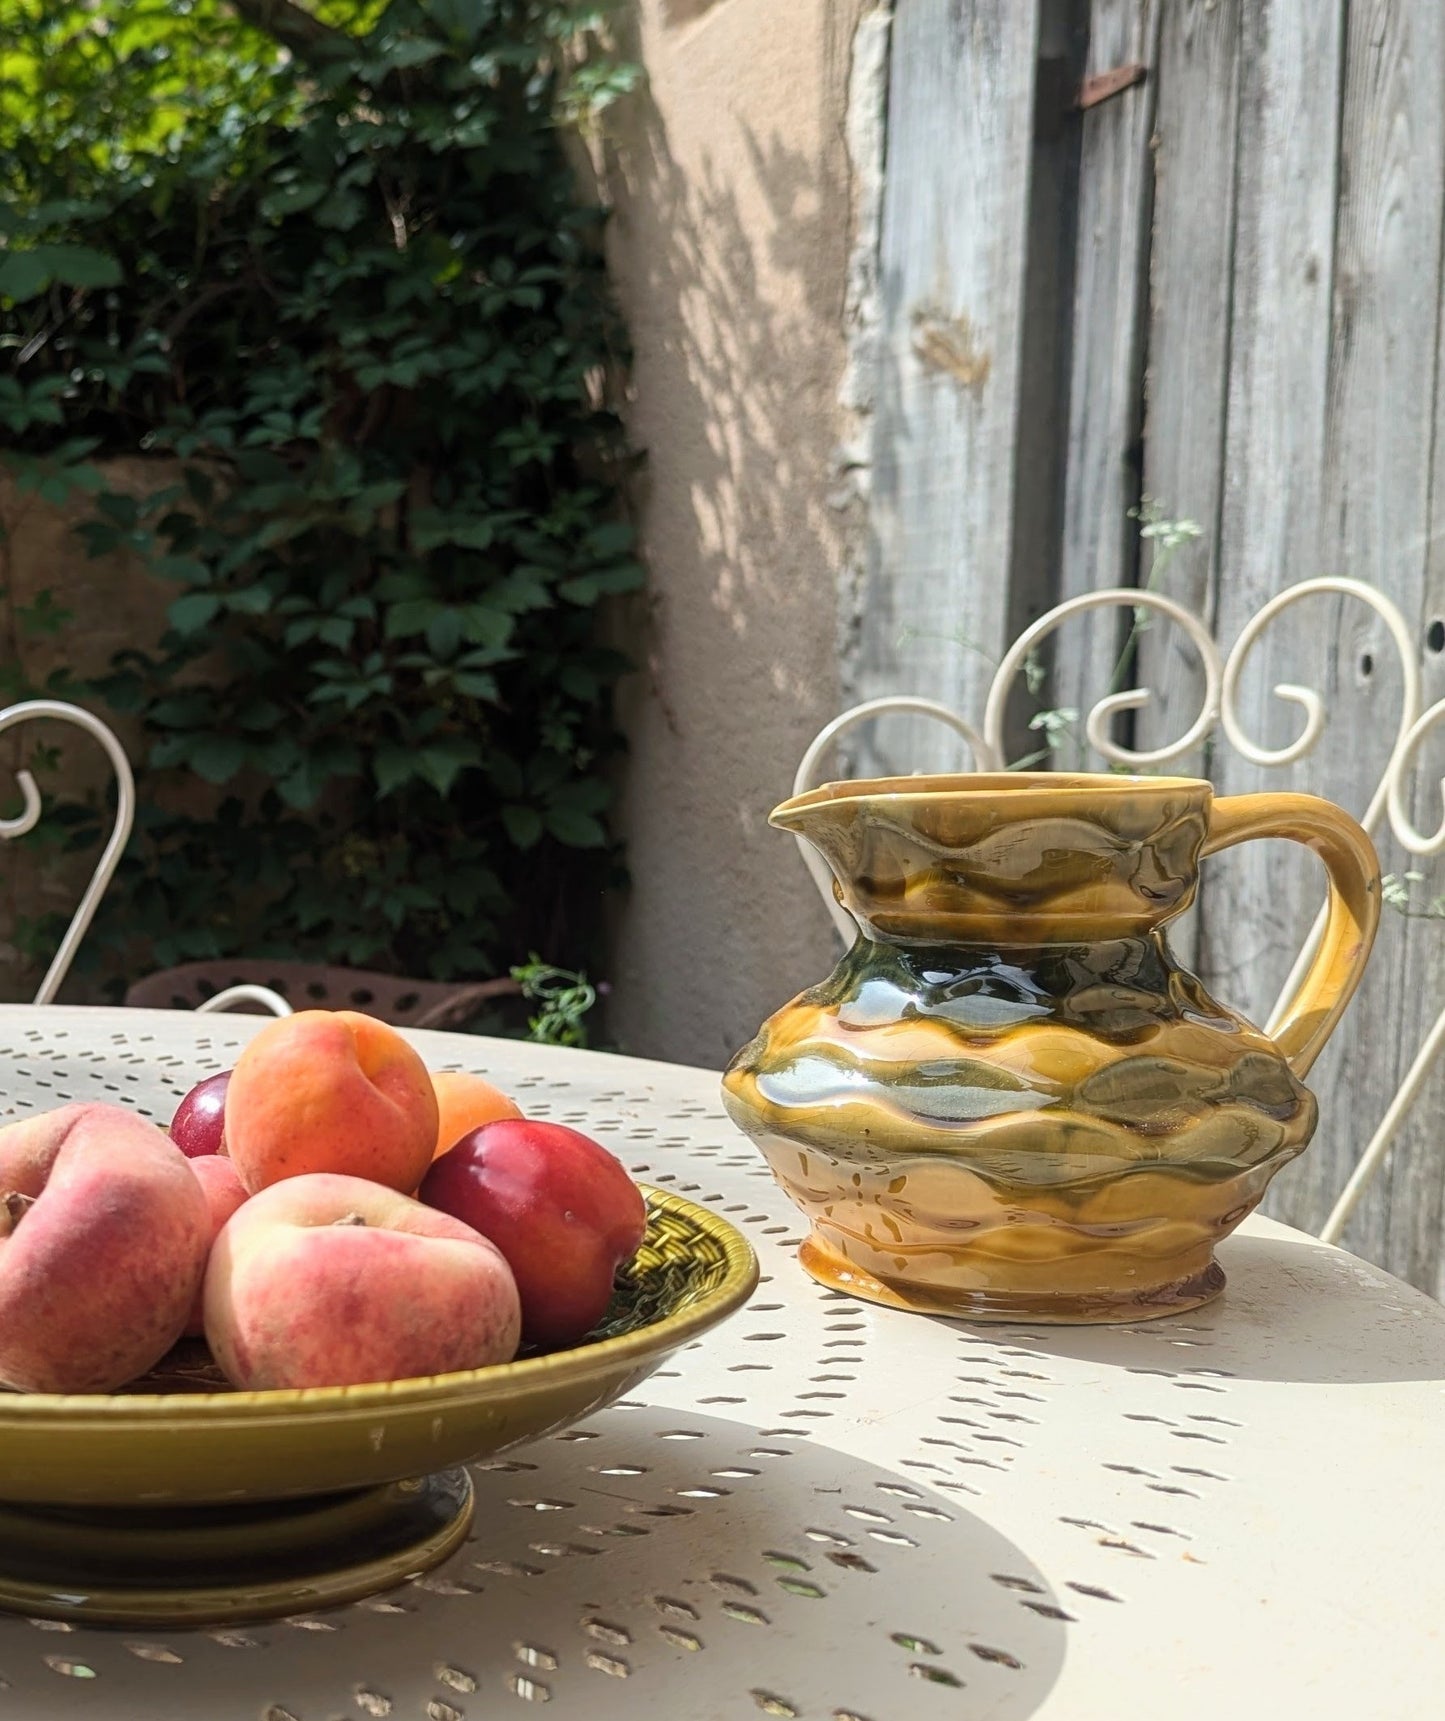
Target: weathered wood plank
[(1044, 371), (1397, 534), (1410, 1186), (1116, 175), (936, 607), (1290, 59), (1290, 65), (1377, 494), (1191, 267), (1330, 424)]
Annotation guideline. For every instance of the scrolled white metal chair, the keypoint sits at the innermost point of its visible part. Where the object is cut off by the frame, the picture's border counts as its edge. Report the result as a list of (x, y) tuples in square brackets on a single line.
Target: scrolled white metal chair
[(410, 1003), (229, 996), (1219, 711), (29, 817)]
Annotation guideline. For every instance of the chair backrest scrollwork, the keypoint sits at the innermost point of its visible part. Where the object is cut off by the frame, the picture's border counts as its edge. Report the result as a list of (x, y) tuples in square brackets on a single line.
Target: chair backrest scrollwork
[(1219, 712), (29, 816)]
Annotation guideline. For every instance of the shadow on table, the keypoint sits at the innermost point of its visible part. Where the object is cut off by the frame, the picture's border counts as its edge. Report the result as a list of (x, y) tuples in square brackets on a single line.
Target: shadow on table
[(1291, 1312), (654, 1560)]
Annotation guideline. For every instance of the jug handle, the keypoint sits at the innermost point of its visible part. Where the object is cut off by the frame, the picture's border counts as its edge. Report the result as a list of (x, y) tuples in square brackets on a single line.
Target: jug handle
[(1309, 1017)]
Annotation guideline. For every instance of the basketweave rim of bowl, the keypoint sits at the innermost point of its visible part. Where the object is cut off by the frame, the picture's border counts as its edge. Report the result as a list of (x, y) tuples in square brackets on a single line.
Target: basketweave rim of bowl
[(501, 1381)]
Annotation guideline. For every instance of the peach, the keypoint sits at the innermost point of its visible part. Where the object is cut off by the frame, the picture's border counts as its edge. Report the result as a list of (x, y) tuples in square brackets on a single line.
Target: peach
[(332, 1091), (103, 1239), (224, 1192), (464, 1103), (324, 1280)]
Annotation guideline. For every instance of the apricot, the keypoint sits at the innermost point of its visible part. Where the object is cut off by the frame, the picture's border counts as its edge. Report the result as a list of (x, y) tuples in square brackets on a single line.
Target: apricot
[(464, 1103), (323, 1280), (330, 1091), (103, 1238)]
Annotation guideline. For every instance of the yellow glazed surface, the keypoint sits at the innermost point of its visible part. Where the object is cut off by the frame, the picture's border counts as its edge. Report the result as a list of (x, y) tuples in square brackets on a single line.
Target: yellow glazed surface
[(1008, 1100)]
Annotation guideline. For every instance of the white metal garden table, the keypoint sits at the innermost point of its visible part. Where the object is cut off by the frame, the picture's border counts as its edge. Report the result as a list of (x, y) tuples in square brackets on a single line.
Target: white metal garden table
[(835, 1511)]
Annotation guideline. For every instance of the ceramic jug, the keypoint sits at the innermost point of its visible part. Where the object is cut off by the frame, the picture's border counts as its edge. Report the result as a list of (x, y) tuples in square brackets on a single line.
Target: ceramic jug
[(1008, 1100)]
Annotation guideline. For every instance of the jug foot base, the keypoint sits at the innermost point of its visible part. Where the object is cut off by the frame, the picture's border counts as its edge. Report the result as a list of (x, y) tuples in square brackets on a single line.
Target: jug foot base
[(835, 1271)]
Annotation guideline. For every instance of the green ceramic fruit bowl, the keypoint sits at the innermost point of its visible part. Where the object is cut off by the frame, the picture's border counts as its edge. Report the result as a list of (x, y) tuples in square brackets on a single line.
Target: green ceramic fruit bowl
[(181, 1502)]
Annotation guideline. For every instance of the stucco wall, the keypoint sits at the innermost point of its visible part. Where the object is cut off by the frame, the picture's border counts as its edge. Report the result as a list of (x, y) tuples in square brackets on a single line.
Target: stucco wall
[(730, 241)]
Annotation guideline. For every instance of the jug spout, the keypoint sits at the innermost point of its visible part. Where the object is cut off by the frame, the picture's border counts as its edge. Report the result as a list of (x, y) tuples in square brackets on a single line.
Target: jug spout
[(1007, 858)]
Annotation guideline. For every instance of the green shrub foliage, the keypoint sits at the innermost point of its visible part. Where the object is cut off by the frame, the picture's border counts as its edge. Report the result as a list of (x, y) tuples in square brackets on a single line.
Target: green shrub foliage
[(331, 268)]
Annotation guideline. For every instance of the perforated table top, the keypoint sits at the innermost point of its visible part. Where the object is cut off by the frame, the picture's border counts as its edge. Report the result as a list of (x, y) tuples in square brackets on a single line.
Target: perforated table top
[(831, 1510)]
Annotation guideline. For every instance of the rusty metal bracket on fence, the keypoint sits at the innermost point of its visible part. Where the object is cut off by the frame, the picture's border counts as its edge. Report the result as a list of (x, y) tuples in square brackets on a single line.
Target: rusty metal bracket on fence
[(1105, 85)]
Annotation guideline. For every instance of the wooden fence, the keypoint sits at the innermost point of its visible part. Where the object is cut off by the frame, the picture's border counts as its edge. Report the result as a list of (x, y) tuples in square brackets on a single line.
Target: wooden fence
[(1217, 287)]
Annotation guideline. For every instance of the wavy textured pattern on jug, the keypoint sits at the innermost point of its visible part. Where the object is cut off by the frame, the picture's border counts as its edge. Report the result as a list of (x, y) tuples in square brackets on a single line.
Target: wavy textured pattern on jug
[(986, 1111)]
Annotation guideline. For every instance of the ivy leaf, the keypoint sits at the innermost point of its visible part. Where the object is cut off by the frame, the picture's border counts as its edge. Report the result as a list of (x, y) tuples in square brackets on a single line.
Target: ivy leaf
[(587, 588), (578, 830), (263, 714), (45, 616), (524, 825), (392, 767), (409, 51), (484, 626), (431, 528), (217, 758), (181, 570), (523, 589), (444, 634), (301, 787), (611, 538), (292, 199), (249, 600), (23, 274), (180, 711), (585, 794), (581, 683), (442, 762), (342, 209), (82, 266), (411, 616), (191, 613)]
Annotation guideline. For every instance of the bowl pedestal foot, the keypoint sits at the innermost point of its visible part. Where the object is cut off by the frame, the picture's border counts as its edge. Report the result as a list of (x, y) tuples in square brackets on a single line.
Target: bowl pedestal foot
[(168, 1566)]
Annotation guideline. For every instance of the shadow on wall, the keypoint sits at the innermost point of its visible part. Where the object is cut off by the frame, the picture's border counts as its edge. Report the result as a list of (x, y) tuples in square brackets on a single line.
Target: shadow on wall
[(727, 301), (729, 258)]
